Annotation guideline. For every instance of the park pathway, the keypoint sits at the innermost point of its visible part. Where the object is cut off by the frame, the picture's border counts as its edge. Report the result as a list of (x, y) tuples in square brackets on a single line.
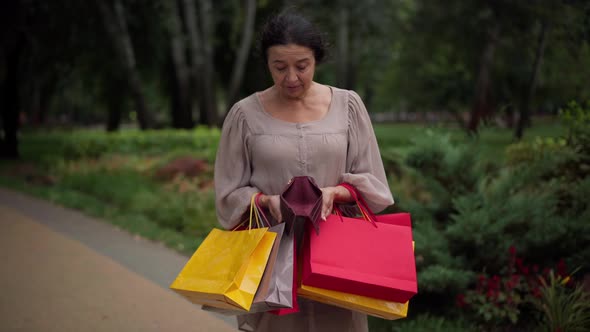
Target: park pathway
[(63, 271)]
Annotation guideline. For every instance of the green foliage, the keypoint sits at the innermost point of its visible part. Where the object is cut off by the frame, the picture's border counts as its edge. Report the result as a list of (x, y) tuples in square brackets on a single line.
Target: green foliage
[(94, 144), (468, 207), (448, 170), (500, 299), (577, 118), (563, 308), (191, 212), (420, 323)]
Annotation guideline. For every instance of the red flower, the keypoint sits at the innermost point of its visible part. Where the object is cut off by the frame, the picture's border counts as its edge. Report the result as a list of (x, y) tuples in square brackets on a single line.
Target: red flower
[(480, 281), (510, 284), (493, 283), (460, 300), (512, 251), (561, 268)]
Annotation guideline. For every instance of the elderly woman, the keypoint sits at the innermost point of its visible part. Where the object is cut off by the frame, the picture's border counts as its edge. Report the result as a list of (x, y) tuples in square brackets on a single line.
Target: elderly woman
[(298, 127)]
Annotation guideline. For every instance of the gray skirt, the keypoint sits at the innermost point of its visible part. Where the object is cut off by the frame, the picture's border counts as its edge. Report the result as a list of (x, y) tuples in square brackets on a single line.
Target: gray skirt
[(312, 317)]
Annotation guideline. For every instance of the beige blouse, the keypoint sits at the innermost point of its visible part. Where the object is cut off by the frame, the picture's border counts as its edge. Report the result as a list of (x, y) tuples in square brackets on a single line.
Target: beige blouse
[(260, 153)]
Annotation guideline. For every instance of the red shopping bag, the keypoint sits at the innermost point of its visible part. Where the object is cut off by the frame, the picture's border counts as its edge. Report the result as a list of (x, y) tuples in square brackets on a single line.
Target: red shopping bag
[(353, 255)]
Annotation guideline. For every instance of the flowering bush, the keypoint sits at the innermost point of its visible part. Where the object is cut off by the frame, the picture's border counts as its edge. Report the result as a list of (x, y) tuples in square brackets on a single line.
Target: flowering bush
[(502, 297)]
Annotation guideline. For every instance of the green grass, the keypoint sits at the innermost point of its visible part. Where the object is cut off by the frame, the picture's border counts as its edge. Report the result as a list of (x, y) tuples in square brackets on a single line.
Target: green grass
[(490, 141), (135, 223), (120, 187)]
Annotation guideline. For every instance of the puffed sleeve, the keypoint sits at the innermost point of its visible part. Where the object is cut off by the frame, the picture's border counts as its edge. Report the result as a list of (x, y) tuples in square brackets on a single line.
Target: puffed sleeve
[(233, 170), (364, 166)]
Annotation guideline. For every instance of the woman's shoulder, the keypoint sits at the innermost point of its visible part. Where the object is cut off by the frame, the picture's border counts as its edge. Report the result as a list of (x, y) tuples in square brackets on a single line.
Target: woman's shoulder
[(244, 107), (349, 97), (245, 104), (248, 112)]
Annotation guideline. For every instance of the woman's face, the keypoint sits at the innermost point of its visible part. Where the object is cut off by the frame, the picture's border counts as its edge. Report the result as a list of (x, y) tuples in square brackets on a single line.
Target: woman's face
[(292, 68)]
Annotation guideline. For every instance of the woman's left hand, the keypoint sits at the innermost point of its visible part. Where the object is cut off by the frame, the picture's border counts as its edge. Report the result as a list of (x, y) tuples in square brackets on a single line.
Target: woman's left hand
[(331, 195)]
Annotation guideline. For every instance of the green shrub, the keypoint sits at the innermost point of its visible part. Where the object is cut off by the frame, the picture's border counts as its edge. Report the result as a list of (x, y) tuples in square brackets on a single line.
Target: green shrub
[(421, 323), (469, 212), (93, 144)]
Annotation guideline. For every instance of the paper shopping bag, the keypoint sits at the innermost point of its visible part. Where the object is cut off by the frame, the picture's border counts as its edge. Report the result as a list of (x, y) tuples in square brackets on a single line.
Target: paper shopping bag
[(249, 322), (226, 269), (374, 307), (301, 199), (374, 260), (275, 290), (289, 278)]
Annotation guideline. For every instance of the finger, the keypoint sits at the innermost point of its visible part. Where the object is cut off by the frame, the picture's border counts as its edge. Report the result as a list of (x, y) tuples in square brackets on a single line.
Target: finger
[(326, 206)]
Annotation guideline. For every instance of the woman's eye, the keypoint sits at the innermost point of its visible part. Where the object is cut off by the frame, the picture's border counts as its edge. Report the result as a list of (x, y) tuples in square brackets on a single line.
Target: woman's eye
[(302, 68), (281, 68)]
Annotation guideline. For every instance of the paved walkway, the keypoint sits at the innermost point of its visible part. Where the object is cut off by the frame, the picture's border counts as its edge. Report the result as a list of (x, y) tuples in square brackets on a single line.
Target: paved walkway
[(63, 271)]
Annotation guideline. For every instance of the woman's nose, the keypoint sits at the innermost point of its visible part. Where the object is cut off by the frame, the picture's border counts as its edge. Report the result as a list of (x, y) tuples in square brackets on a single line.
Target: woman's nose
[(292, 76)]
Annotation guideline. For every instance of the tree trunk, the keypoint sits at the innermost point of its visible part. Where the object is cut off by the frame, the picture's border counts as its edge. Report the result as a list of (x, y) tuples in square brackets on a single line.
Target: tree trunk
[(208, 109), (46, 90), (114, 116), (481, 106), (196, 51), (343, 49), (33, 104), (115, 95), (11, 99), (243, 50), (116, 26), (524, 118), (182, 106)]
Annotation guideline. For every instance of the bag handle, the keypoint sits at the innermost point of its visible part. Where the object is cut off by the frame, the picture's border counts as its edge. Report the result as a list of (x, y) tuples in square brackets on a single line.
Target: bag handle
[(259, 209), (362, 205), (255, 210), (255, 215)]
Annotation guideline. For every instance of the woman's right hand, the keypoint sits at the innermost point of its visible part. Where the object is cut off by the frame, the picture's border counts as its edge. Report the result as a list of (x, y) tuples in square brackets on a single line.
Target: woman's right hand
[(273, 204)]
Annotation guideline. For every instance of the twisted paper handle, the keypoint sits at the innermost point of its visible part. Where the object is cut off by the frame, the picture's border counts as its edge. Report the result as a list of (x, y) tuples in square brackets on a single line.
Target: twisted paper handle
[(256, 214), (362, 205)]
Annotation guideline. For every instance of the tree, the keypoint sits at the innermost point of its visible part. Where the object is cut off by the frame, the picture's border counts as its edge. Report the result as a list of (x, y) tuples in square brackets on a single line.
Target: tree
[(116, 26), (181, 108), (13, 44), (208, 106), (524, 117), (242, 53)]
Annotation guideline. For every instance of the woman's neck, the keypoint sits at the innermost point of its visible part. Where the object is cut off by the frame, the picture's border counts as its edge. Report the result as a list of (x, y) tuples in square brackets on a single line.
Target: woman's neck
[(299, 101)]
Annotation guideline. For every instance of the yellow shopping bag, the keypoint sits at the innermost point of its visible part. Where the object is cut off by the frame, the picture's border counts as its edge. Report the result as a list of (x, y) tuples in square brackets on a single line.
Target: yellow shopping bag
[(370, 306), (227, 268)]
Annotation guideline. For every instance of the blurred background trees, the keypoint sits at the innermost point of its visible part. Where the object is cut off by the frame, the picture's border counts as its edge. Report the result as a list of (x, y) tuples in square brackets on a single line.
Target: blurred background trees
[(183, 63)]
